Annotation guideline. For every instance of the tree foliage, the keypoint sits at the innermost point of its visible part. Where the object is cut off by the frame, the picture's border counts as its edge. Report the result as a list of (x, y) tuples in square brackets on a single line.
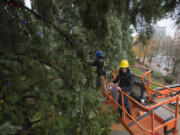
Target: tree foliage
[(8, 129), (46, 85)]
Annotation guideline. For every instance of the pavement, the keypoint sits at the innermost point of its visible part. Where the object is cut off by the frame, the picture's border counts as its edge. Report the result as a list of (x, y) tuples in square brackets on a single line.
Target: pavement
[(120, 133), (119, 129)]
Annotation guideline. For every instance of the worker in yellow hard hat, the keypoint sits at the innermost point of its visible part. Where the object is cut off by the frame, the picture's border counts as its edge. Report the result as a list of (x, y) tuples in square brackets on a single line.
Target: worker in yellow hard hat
[(125, 80)]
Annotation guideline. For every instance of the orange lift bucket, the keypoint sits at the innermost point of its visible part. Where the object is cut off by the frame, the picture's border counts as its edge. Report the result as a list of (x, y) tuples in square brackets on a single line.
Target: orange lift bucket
[(153, 117)]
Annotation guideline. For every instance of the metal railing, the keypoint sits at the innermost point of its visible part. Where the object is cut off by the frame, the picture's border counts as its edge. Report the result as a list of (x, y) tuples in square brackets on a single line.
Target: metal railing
[(150, 109)]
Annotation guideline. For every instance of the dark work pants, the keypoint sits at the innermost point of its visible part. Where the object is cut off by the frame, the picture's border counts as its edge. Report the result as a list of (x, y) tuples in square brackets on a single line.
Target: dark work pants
[(98, 82), (126, 104)]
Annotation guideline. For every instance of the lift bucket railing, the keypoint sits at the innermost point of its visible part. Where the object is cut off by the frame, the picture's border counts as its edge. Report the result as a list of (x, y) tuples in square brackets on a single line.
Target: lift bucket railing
[(151, 91), (150, 110)]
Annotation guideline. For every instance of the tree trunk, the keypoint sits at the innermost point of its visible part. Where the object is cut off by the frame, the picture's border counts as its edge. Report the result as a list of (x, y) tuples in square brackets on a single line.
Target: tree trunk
[(145, 56), (177, 72), (150, 61), (160, 60), (174, 68), (169, 62)]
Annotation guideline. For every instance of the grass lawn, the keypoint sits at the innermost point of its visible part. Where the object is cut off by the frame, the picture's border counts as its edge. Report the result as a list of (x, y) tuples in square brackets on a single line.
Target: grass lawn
[(138, 72)]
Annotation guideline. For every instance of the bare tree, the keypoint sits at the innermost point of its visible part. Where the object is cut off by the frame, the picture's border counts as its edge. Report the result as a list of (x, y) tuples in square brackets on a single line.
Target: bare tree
[(176, 59), (167, 50), (155, 48)]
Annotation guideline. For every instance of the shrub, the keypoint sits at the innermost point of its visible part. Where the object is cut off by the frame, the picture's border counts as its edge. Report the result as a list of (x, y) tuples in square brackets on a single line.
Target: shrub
[(147, 66), (169, 79), (158, 65), (157, 74), (166, 69), (136, 71)]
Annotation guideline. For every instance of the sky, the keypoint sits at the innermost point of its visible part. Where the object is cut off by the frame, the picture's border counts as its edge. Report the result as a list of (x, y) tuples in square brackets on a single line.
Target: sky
[(170, 26), (168, 23), (28, 4)]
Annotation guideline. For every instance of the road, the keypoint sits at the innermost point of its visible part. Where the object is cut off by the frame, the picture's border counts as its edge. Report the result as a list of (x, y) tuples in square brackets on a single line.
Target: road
[(155, 68)]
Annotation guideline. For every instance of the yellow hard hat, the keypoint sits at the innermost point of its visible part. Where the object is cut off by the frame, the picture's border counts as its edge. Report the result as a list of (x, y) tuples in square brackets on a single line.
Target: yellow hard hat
[(124, 64)]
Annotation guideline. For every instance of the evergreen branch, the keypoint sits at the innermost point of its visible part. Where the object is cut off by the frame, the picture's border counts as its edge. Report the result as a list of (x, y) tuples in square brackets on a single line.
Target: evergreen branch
[(50, 23), (35, 122), (28, 124), (45, 20), (44, 62)]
